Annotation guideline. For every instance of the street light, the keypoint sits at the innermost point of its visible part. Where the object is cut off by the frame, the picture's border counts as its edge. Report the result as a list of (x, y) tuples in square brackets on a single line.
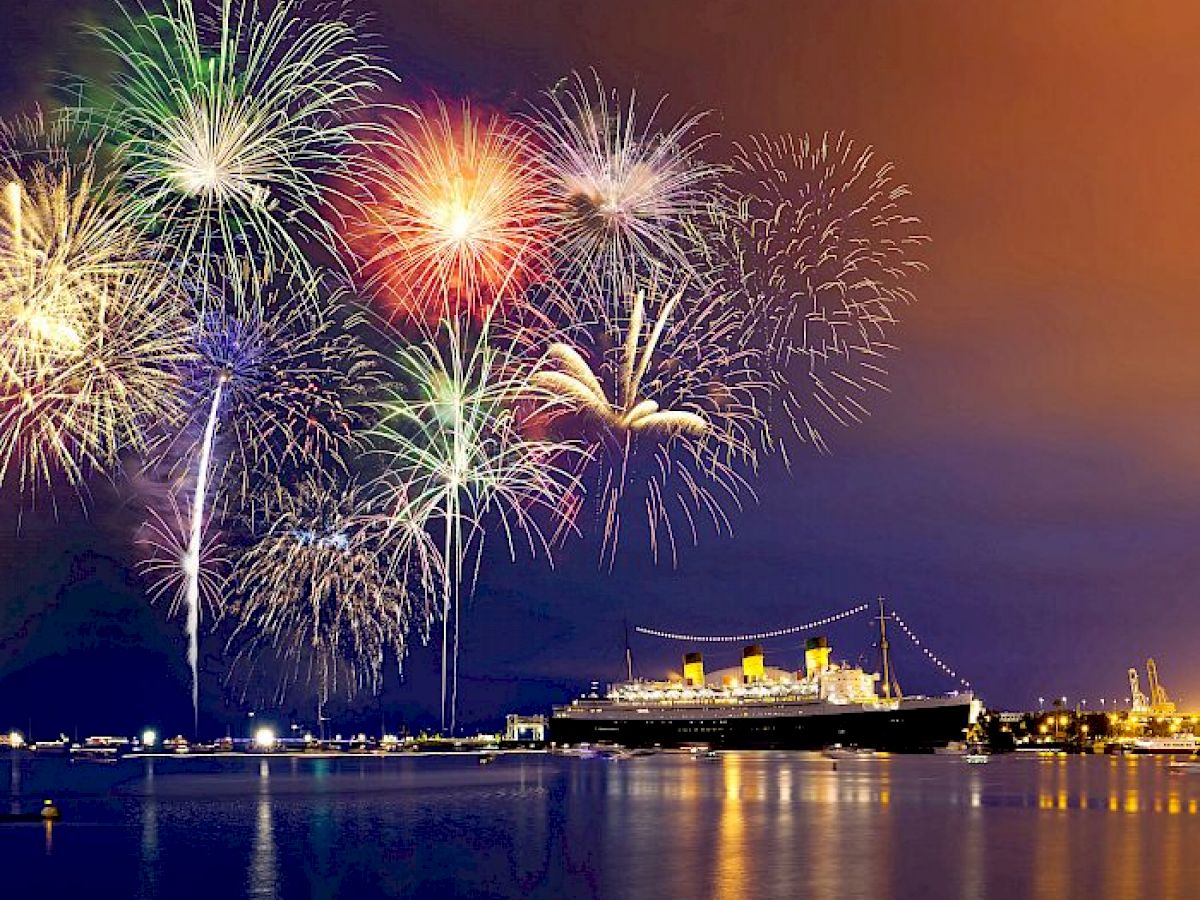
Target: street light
[(149, 737), (264, 739)]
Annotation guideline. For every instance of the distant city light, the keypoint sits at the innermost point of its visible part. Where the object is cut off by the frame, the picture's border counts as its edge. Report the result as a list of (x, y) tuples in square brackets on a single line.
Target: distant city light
[(15, 739), (149, 737), (264, 739)]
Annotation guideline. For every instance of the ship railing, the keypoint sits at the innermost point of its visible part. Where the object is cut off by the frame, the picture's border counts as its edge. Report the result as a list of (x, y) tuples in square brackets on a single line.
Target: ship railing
[(719, 700)]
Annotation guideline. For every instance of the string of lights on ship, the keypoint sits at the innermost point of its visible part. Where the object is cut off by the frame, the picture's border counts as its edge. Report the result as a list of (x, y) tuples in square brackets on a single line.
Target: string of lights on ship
[(893, 616)]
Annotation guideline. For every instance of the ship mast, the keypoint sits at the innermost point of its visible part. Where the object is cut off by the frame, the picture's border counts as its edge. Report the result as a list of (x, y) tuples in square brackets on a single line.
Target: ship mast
[(890, 684), (628, 654)]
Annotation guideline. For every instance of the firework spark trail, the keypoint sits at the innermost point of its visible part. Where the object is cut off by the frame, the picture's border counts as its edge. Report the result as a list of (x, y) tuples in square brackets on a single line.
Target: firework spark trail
[(815, 240), (624, 189), (660, 391), (230, 128), (458, 216), (168, 538), (295, 379), (449, 433), (191, 562), (284, 385)]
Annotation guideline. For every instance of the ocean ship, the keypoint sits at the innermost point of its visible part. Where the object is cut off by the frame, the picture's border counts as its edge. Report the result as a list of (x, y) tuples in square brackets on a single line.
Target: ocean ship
[(1181, 744), (756, 707)]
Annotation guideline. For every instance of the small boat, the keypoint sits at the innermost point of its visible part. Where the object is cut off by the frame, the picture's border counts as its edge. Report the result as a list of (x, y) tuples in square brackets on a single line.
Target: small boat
[(954, 748), (1180, 745), (709, 755), (48, 813), (976, 759), (60, 747), (486, 759), (837, 751), (93, 754), (1185, 766), (582, 751)]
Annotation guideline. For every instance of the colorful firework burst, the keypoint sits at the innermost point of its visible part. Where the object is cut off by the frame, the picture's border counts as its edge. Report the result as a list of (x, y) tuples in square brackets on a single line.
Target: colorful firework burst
[(816, 241), (458, 216), (450, 439), (659, 389), (230, 126), (278, 386), (293, 379), (624, 189), (93, 334), (316, 591)]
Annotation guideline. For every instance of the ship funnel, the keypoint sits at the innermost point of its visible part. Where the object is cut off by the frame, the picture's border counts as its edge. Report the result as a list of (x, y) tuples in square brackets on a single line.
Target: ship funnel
[(752, 664), (693, 669), (816, 656)]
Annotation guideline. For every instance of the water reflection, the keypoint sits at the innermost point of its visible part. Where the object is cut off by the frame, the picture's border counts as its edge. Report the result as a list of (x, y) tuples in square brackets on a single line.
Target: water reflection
[(14, 782), (731, 832), (746, 825), (974, 839), (263, 869), (148, 872), (1051, 870)]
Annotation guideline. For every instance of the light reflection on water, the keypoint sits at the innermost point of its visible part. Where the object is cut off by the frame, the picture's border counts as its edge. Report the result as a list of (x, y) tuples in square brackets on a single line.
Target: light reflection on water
[(744, 825), (263, 866)]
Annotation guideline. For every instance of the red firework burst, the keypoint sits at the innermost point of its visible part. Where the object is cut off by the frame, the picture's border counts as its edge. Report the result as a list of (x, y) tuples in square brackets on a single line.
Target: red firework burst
[(457, 219)]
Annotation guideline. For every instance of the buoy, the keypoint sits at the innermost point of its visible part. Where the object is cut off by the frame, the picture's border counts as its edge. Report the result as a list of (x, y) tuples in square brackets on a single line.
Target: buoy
[(49, 810)]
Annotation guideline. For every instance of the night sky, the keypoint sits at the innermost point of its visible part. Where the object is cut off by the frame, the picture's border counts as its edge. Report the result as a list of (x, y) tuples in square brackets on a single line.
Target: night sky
[(1028, 495)]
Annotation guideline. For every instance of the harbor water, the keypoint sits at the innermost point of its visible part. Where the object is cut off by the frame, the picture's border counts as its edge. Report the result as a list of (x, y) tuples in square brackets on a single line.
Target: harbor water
[(742, 825)]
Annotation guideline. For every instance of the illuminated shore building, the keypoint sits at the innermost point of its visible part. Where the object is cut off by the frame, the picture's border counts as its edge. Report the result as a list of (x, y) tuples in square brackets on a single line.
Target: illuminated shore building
[(525, 729), (1139, 723)]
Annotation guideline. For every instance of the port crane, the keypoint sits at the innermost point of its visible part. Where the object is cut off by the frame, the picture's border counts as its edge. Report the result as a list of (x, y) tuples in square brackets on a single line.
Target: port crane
[(1158, 703), (1139, 700)]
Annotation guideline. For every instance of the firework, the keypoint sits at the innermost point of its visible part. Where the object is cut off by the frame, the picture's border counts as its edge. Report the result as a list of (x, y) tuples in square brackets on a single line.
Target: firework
[(816, 242), (659, 389), (623, 188), (458, 219), (283, 384), (449, 436), (64, 240), (229, 127), (316, 590), (168, 564), (93, 335), (277, 386)]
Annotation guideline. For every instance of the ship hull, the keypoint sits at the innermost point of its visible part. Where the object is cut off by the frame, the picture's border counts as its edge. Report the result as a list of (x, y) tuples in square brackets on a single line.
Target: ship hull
[(911, 728)]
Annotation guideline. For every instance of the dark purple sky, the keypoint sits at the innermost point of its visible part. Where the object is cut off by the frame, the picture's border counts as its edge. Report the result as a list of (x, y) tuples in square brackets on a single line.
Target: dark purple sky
[(1028, 495)]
